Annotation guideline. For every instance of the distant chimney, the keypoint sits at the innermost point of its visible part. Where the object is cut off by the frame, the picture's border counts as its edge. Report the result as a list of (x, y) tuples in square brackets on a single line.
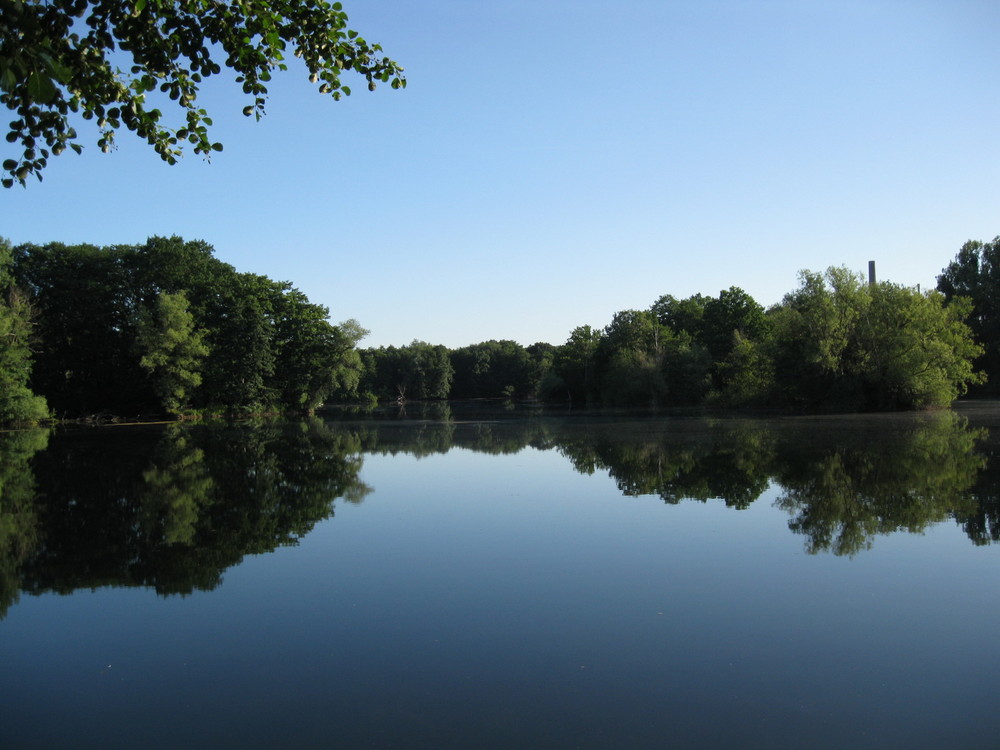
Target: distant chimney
[(871, 272)]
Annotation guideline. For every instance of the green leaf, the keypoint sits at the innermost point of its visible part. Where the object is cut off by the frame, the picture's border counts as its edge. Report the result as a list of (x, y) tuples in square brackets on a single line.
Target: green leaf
[(9, 165), (58, 71), (41, 88)]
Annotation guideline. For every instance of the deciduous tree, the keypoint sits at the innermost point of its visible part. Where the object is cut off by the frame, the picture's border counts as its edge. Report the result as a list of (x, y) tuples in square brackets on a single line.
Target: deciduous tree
[(17, 402), (574, 368), (172, 350), (102, 311), (839, 343), (975, 274), (113, 61)]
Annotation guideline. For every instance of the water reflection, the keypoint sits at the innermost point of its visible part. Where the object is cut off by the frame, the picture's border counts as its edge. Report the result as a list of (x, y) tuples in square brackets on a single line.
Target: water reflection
[(683, 461), (172, 508), (177, 488), (880, 481), (18, 517), (844, 480)]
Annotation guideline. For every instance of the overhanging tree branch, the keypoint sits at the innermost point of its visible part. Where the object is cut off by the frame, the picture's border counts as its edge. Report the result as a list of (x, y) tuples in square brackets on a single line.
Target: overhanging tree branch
[(57, 60)]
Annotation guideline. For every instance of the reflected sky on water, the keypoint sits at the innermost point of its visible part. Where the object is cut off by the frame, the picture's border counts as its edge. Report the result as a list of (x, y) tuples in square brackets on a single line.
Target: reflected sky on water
[(530, 581)]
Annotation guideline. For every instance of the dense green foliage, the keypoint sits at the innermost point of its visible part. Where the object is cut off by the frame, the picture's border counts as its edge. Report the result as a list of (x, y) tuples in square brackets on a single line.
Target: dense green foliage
[(166, 326), (17, 402), (63, 58), (422, 371), (419, 371), (834, 344), (498, 369), (172, 350), (847, 345), (572, 377), (975, 275)]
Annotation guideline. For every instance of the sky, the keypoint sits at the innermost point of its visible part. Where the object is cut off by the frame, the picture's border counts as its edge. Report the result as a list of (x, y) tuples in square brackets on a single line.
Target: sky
[(552, 162)]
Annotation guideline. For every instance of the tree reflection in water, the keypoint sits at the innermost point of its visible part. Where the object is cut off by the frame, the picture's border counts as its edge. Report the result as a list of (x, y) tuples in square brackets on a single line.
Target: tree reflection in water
[(172, 508), (843, 479), (842, 495), (167, 508), (18, 516)]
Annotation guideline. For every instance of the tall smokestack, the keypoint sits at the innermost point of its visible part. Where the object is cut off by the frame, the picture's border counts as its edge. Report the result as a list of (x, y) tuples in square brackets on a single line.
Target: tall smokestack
[(871, 272)]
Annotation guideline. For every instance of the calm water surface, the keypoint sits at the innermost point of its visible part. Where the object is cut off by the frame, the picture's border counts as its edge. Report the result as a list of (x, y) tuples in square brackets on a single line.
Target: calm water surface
[(450, 578)]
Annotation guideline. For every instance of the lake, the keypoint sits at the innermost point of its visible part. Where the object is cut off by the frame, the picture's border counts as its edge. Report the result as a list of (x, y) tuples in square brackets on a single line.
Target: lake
[(463, 577)]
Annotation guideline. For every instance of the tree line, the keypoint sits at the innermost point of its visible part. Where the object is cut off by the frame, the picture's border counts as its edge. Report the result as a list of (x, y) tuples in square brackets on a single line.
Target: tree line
[(162, 327), (836, 343), (165, 327)]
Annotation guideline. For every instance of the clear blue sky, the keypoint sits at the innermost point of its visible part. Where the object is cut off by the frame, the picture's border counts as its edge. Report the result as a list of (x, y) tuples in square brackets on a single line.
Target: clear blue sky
[(553, 162)]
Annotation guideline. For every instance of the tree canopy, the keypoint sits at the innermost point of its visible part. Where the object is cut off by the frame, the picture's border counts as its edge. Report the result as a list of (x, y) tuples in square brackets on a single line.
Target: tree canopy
[(842, 344), (60, 59), (17, 402), (975, 275), (835, 344), (166, 326)]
